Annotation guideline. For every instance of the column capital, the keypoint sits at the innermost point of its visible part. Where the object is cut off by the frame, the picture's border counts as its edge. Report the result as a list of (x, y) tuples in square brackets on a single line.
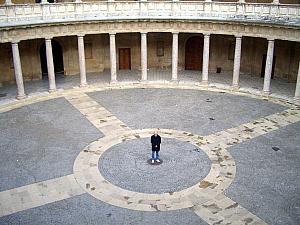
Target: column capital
[(80, 35), (270, 39), (143, 32), (112, 33), (206, 34), (176, 33), (49, 38), (239, 36)]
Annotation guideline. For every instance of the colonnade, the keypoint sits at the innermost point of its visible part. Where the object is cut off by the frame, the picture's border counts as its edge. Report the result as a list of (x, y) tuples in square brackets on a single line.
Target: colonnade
[(9, 2), (113, 63)]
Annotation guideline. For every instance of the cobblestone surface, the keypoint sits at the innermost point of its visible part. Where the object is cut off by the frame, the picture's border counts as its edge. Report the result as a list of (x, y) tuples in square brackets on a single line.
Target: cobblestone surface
[(267, 182), (41, 141), (199, 112), (125, 165), (86, 210)]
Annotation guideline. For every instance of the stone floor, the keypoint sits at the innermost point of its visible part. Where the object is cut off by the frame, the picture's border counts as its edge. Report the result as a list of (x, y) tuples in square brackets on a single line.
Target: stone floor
[(79, 156)]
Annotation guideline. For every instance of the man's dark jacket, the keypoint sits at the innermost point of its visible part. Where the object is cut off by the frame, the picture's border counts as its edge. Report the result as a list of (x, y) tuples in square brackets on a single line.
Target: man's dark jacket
[(155, 141)]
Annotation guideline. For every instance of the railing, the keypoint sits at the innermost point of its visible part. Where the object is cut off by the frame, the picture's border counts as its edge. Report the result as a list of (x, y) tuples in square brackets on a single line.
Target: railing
[(28, 14)]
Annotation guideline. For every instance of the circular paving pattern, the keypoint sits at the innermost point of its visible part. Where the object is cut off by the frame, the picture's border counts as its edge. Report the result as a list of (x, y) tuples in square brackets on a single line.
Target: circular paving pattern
[(88, 176), (125, 165)]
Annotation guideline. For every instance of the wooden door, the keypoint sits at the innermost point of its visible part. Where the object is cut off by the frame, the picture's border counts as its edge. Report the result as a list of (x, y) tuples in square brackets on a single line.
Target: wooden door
[(193, 53), (124, 59)]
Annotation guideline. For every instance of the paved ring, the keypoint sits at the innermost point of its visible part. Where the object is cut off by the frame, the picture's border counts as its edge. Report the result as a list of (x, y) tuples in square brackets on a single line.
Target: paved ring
[(88, 176)]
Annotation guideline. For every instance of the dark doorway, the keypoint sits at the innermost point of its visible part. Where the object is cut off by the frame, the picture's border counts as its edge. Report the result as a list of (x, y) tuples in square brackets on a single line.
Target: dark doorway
[(193, 53), (124, 59), (263, 66), (57, 59)]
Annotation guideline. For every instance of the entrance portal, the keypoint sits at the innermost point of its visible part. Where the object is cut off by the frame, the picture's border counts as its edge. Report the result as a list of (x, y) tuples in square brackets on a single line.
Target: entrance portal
[(193, 53), (124, 59), (57, 59)]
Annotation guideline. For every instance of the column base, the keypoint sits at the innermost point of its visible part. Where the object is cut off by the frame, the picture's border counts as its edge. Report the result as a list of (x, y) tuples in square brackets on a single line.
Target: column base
[(52, 90), (113, 82), (297, 100), (83, 85), (266, 93), (175, 81), (204, 83), (19, 97), (235, 87)]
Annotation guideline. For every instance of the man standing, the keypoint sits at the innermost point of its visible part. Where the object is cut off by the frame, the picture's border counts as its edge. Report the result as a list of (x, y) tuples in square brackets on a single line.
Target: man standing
[(155, 141)]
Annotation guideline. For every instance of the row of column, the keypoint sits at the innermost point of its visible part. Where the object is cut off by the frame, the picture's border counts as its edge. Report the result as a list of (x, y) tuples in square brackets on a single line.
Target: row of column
[(9, 2), (113, 64), (50, 66)]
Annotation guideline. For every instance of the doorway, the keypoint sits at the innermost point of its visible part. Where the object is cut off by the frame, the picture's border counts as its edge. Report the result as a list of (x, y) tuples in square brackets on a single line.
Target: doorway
[(124, 59), (57, 59), (193, 53), (263, 66)]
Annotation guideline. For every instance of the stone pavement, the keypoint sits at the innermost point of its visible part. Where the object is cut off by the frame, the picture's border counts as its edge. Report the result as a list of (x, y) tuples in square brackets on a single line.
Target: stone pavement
[(108, 108)]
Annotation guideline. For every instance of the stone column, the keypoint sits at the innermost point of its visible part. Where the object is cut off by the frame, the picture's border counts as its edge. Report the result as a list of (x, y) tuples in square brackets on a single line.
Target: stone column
[(81, 57), (44, 1), (18, 71), (297, 91), (113, 64), (144, 55), (268, 69), (50, 66), (8, 2), (237, 62), (205, 59), (275, 2), (175, 57)]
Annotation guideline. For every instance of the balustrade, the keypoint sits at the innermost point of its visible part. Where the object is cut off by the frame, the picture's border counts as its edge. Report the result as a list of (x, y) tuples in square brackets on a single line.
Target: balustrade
[(73, 11)]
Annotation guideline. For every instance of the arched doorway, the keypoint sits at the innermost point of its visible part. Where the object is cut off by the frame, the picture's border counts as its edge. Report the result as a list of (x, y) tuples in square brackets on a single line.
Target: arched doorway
[(57, 59), (193, 53)]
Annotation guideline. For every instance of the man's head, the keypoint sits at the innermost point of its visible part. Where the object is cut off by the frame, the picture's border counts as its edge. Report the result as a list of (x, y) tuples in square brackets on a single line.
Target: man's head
[(155, 133)]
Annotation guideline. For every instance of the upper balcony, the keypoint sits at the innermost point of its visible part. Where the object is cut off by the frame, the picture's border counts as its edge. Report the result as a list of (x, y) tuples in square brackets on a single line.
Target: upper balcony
[(12, 15)]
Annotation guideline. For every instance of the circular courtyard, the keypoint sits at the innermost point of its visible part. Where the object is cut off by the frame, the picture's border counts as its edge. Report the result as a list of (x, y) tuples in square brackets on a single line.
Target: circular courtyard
[(79, 156)]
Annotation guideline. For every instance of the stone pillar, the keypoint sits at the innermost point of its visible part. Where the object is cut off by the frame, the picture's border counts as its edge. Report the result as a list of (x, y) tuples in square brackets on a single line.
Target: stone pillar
[(144, 55), (113, 64), (276, 2), (18, 71), (205, 59), (268, 69), (8, 2), (237, 62), (297, 91), (44, 1), (175, 57), (81, 57), (50, 66)]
